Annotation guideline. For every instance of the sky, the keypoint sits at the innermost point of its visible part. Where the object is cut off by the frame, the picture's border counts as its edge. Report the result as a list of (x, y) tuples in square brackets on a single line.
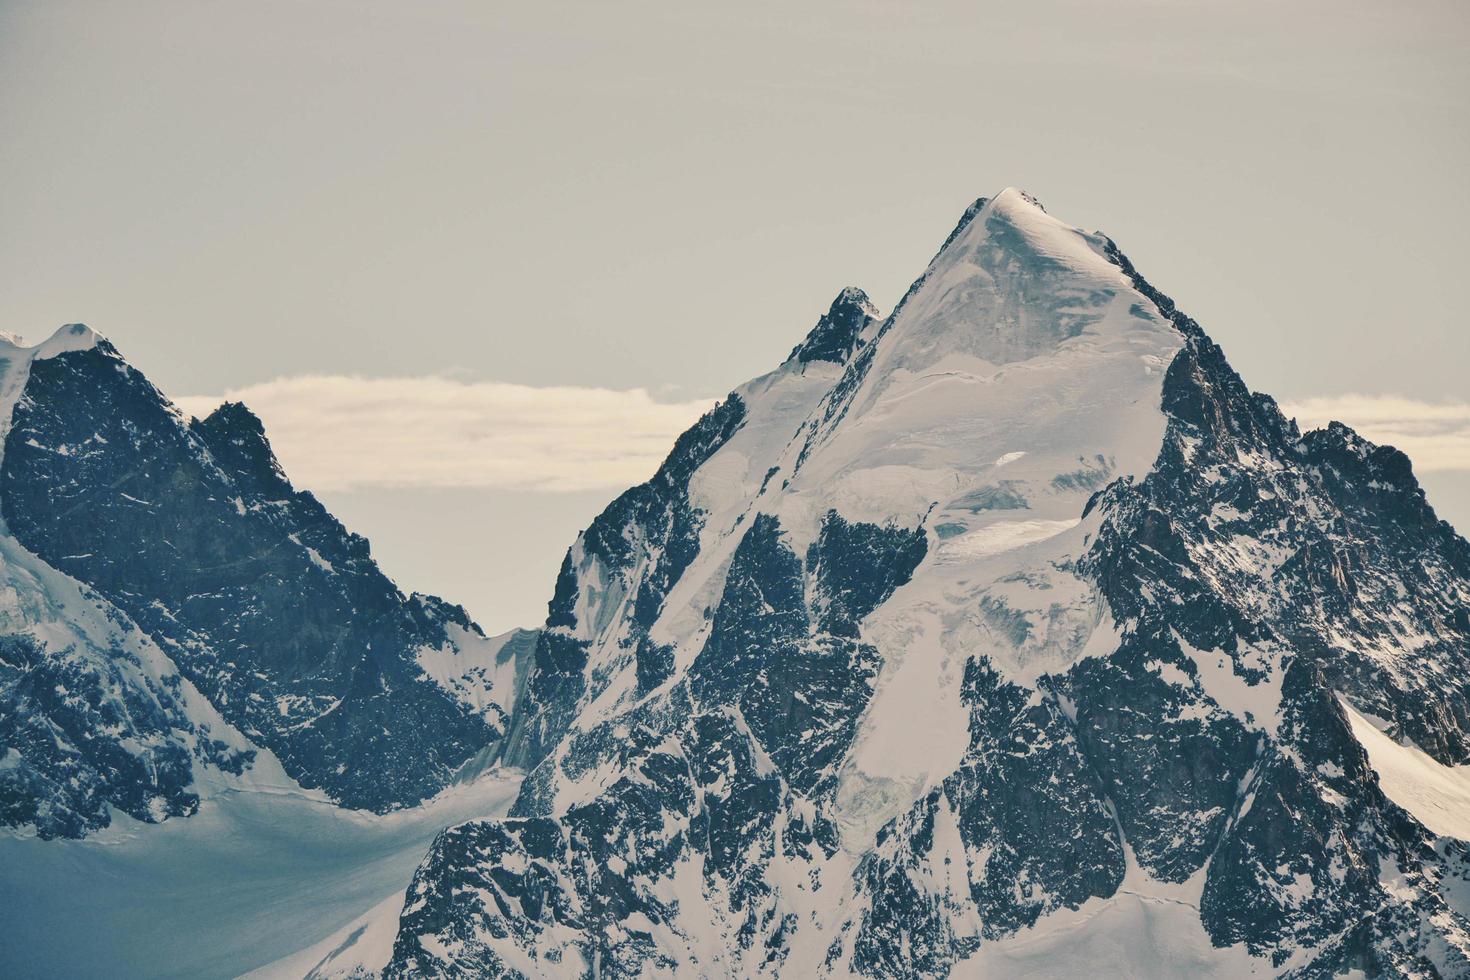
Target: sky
[(476, 263)]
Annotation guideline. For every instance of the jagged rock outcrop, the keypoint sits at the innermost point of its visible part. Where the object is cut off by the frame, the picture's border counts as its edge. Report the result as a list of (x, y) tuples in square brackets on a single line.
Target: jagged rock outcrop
[(187, 533)]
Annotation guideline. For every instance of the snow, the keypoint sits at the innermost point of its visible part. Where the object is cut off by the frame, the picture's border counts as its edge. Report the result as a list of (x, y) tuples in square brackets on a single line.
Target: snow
[(1141, 936), (1170, 673), (311, 553), (918, 704), (1256, 704), (1023, 352), (1001, 536), (1436, 795), (70, 337), (254, 878), (1147, 930), (479, 671), (364, 945)]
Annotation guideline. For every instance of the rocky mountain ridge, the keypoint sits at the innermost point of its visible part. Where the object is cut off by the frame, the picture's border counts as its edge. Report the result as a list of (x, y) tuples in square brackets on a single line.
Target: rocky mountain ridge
[(174, 607), (1014, 635)]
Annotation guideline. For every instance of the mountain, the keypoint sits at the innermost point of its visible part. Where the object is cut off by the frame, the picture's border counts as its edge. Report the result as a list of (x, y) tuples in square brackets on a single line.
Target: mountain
[(1009, 634), (173, 611)]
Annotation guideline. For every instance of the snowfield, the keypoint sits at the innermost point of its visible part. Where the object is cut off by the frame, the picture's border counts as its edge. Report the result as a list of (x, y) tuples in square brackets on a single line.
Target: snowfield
[(1437, 795), (253, 878)]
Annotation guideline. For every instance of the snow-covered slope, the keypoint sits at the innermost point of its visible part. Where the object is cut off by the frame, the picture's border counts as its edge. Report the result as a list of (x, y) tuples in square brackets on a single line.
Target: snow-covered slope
[(1437, 795), (250, 880), (1001, 635), (171, 607)]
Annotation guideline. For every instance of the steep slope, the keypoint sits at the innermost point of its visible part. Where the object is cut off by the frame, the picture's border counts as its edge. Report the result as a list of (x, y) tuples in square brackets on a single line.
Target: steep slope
[(1010, 622), (188, 532), (94, 717)]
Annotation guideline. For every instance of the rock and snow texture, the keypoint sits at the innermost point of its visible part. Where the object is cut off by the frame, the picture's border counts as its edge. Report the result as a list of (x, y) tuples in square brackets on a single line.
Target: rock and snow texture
[(93, 715), (1002, 635), (168, 599)]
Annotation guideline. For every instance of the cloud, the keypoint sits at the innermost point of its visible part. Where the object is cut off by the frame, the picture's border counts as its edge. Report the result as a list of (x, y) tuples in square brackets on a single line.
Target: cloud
[(343, 433), (1435, 435)]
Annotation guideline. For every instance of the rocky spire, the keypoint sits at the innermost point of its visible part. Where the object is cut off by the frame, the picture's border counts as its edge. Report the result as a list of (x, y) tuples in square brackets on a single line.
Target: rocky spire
[(839, 332)]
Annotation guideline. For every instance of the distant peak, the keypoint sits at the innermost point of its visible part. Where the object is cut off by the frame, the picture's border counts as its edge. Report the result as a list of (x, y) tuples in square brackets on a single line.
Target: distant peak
[(1007, 205), (838, 333), (852, 298), (1015, 223), (70, 337), (71, 333), (1014, 197), (236, 438), (1008, 284), (235, 416)]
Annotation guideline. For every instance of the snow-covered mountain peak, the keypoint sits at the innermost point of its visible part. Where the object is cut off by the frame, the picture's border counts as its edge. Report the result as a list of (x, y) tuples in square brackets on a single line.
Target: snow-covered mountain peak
[(306, 649), (1011, 283), (70, 337), (1021, 374), (1022, 342), (939, 656), (1015, 197)]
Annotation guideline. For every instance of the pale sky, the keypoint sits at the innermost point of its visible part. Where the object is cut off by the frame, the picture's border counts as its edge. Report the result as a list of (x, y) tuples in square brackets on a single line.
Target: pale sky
[(474, 263)]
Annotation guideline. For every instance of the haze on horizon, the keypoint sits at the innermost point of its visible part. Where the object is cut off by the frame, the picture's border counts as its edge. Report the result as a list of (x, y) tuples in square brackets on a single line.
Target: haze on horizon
[(553, 233)]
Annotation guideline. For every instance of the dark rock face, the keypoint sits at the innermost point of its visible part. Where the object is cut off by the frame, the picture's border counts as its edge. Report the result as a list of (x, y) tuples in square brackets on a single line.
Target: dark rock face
[(1025, 798), (713, 768), (1256, 579), (838, 335), (541, 880), (262, 599), (802, 685)]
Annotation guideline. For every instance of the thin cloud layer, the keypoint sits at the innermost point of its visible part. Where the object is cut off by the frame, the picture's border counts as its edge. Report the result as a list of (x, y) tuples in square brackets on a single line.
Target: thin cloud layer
[(333, 432), (1435, 435), (345, 433)]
